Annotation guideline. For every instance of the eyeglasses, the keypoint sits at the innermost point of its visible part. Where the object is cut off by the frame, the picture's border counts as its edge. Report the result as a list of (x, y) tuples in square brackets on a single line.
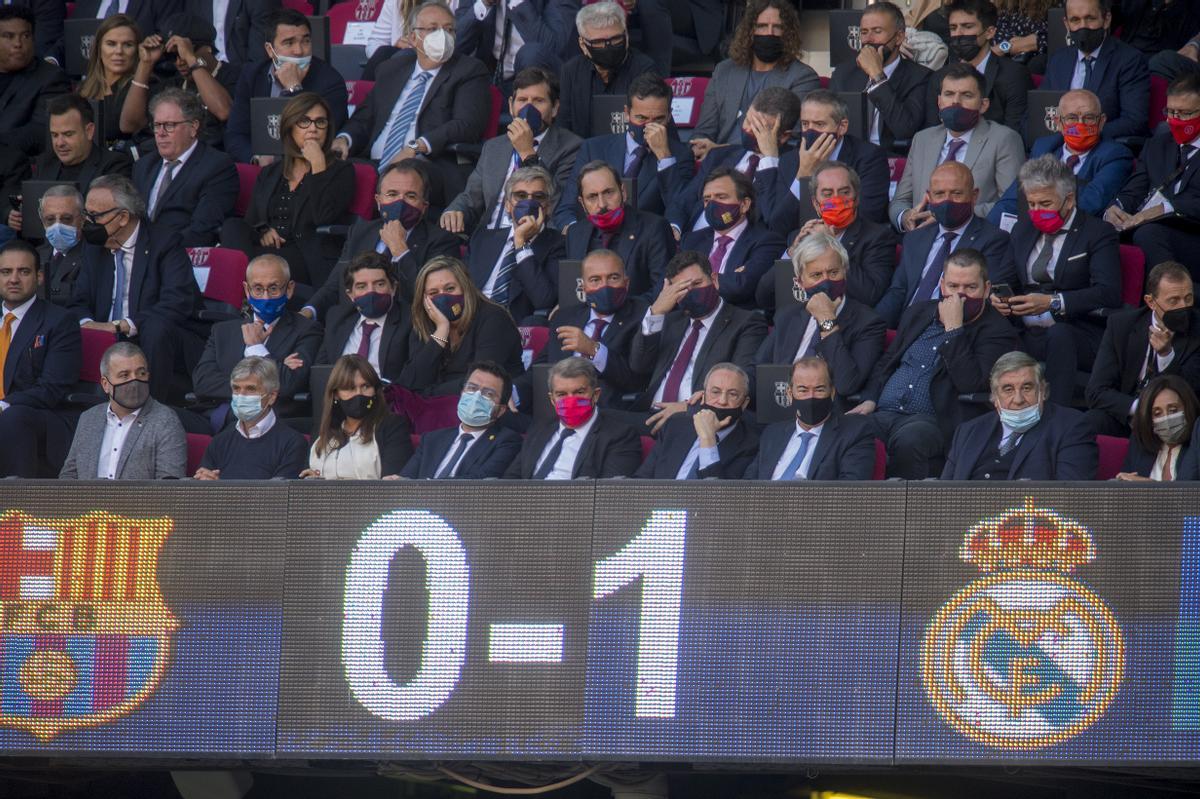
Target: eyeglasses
[(426, 31), (1075, 119), (615, 41), (259, 292), (1175, 113), (169, 127), (94, 216), (540, 196), (733, 395), (471, 388), (304, 123)]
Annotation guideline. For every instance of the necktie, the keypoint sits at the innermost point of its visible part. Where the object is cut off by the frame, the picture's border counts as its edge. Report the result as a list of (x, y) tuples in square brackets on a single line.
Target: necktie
[(404, 121), (605, 239), (1186, 151), (1009, 444), (930, 279), (1088, 63), (812, 342), (1167, 476), (1040, 271), (364, 343), (790, 473), (504, 275), (635, 164), (694, 472), (5, 340), (598, 329), (1072, 161), (170, 167), (118, 303), (675, 376), (952, 152), (717, 256), (552, 457), (752, 167), (464, 441)]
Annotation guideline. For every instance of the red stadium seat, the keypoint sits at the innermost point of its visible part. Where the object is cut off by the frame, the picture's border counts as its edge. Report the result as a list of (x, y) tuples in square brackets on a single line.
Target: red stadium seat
[(95, 342), (1133, 274), (358, 91), (647, 445), (888, 338), (897, 166), (533, 339), (1158, 100), (247, 175), (824, 81), (299, 5), (226, 273), (899, 253), (1037, 80), (880, 472), (414, 439), (341, 14), (493, 123), (70, 10), (1112, 456), (363, 204), (689, 88), (196, 445)]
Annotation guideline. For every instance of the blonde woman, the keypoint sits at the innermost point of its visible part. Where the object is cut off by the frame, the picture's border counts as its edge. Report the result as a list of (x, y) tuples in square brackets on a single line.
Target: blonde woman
[(110, 70)]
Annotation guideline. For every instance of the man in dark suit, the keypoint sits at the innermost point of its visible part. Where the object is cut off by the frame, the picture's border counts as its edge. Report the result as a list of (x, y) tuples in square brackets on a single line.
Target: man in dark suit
[(39, 362), (687, 330), (290, 68), (895, 86), (820, 444), (739, 249), (49, 17), (479, 448), (712, 440), (1141, 343), (1028, 438), (27, 83), (830, 324), (1068, 268), (424, 100), (649, 152), (824, 122), (532, 139), (1161, 200), (247, 27), (1102, 63), (534, 33), (61, 209), (951, 199), (1101, 166), (148, 14), (189, 187), (135, 281), (374, 326), (643, 240), (584, 441), (943, 349)]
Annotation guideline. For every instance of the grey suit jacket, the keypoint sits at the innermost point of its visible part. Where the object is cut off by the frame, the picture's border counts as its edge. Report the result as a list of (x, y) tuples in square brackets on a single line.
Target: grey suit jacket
[(556, 152), (156, 447), (994, 156), (719, 118)]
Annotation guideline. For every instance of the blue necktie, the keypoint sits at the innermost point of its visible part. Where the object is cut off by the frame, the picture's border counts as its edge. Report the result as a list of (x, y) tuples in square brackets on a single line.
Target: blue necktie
[(504, 276), (694, 472), (118, 304), (464, 441), (790, 472), (404, 121), (934, 273), (552, 456)]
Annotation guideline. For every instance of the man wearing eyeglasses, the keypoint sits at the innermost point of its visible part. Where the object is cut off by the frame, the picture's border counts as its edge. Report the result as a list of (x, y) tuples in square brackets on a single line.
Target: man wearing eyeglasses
[(189, 187)]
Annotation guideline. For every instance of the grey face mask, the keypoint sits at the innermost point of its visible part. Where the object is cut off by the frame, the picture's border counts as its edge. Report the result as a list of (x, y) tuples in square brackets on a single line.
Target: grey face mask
[(1171, 428)]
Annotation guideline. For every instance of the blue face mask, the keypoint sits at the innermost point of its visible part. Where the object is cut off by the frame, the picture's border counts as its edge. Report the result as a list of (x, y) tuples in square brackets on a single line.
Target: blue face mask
[(533, 116), (1022, 420), (302, 61), (474, 409), (246, 407), (374, 304), (62, 237), (269, 309), (525, 208)]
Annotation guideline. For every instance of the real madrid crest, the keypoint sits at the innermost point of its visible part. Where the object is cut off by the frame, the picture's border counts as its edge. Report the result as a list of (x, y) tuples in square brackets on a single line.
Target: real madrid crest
[(1026, 656)]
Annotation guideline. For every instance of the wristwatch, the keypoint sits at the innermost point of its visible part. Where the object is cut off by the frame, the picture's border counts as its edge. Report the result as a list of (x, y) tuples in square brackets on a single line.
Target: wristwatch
[(1056, 304), (1005, 46), (199, 63), (827, 325)]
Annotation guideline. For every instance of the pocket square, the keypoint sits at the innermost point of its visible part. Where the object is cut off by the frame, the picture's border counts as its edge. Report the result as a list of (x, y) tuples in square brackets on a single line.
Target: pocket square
[(1077, 257), (39, 341)]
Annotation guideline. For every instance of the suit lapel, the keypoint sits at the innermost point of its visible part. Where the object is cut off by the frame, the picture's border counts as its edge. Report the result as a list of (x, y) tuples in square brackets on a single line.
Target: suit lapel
[(826, 442), (977, 143), (478, 449), (436, 84), (1135, 348), (23, 339), (789, 343), (184, 173), (137, 275), (737, 253), (131, 438), (989, 74), (279, 343), (719, 323), (672, 337), (489, 253), (1027, 444)]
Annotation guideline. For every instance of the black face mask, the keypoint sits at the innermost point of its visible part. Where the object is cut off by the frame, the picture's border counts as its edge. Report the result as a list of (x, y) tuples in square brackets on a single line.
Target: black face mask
[(965, 47), (357, 407), (95, 233), (1178, 321), (1088, 39), (767, 49), (721, 413), (814, 410), (610, 56)]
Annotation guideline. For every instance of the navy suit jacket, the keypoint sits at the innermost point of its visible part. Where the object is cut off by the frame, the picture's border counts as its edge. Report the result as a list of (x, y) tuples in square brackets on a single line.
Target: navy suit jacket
[(43, 357), (1120, 78), (255, 81), (488, 456), (549, 23), (871, 248), (845, 450), (612, 449), (1157, 162), (1059, 447), (978, 234), (868, 161), (201, 195), (292, 333), (24, 119), (750, 257), (1102, 175), (900, 99), (1141, 461), (393, 347), (534, 285), (686, 206), (735, 452), (654, 189), (247, 26), (644, 242)]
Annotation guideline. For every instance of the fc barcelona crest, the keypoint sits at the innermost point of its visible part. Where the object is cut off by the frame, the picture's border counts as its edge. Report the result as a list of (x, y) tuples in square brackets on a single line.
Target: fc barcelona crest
[(580, 294), (273, 126), (783, 394), (85, 635), (1025, 656), (1051, 118), (85, 46), (854, 37)]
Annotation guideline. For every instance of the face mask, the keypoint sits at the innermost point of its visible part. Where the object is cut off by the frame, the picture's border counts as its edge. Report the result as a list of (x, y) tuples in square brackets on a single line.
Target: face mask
[(63, 237), (1022, 420), (574, 411), (813, 410), (884, 51), (246, 407), (533, 116), (474, 409), (95, 233), (357, 407), (374, 304), (451, 305), (838, 212), (609, 220), (833, 289), (767, 49), (721, 216), (268, 309), (750, 141), (1171, 428), (1081, 138), (951, 215), (607, 300), (301, 61), (407, 215), (1178, 320), (971, 306), (700, 301), (958, 119), (132, 394), (526, 208), (439, 46), (637, 133), (721, 413), (1088, 39), (965, 47), (608, 57), (810, 137), (1046, 220), (1184, 130)]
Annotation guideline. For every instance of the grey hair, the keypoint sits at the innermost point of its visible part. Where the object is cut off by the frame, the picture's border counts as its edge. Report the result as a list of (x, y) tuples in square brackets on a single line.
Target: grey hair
[(825, 97), (600, 15), (125, 194), (122, 349), (730, 366), (826, 166), (62, 190), (189, 104), (411, 22), (524, 173), (1013, 361), (1047, 172), (570, 368), (813, 246), (270, 258), (262, 368)]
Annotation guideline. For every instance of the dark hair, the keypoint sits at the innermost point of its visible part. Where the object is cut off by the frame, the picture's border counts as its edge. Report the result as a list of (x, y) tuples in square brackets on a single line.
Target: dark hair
[(1188, 83), (286, 16), (18, 12), (371, 260), (1167, 270), (23, 247), (596, 166), (295, 110), (648, 84), (532, 76), (1142, 423), (776, 101), (685, 258), (961, 71), (495, 370), (743, 184), (983, 10), (331, 436), (66, 103), (409, 166), (826, 97), (741, 50), (890, 9), (968, 256)]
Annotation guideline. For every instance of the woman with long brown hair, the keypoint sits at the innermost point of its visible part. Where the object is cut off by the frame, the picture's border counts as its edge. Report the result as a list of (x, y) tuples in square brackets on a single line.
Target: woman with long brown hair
[(110, 69)]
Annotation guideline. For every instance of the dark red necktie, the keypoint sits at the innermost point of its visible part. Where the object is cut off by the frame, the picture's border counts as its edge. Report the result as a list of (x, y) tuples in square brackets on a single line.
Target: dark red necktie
[(675, 376)]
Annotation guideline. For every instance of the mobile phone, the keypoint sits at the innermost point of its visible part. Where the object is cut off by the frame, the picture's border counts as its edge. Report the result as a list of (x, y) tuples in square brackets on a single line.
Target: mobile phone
[(1003, 291), (14, 201)]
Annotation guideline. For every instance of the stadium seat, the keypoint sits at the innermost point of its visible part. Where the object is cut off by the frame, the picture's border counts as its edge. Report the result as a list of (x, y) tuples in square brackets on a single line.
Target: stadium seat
[(70, 10), (647, 445), (824, 82), (493, 124), (1133, 274), (533, 341), (1112, 456), (341, 14), (880, 472), (1037, 80), (897, 166), (88, 392), (196, 445), (247, 175), (690, 88), (363, 204), (299, 5), (226, 273), (357, 90), (1158, 101), (415, 440)]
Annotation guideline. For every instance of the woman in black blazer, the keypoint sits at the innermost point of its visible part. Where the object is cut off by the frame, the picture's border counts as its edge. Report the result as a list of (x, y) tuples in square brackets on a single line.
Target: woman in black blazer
[(295, 195), (1162, 430), (454, 325)]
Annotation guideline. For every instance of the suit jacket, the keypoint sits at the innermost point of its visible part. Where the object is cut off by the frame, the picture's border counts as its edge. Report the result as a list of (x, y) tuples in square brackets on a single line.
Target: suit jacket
[(49, 16), (994, 155), (225, 347), (900, 99), (868, 161), (23, 116), (917, 244), (99, 162), (1006, 85), (1059, 447), (43, 357), (654, 188), (256, 80), (734, 336), (644, 242), (247, 27), (155, 447), (59, 280), (556, 153), (871, 248), (202, 194), (1120, 78), (580, 82), (611, 449), (487, 457), (1158, 162), (751, 257), (534, 285), (492, 336), (1102, 174), (719, 117), (1188, 465), (735, 452), (393, 346), (845, 450), (687, 206), (148, 14), (549, 24), (1141, 461), (322, 199)]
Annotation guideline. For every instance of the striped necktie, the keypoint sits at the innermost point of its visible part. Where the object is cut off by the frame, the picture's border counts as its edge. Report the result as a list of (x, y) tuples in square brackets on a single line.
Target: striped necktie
[(404, 121)]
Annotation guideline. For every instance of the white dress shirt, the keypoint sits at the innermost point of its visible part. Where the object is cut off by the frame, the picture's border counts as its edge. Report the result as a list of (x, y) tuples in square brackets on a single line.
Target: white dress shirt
[(128, 248), (116, 430), (734, 233), (888, 70), (793, 447), (811, 330), (1166, 454), (355, 339), (152, 199), (652, 324), (18, 312), (564, 467), (1080, 73), (394, 117), (706, 455), (260, 429), (220, 8), (474, 434), (1067, 153)]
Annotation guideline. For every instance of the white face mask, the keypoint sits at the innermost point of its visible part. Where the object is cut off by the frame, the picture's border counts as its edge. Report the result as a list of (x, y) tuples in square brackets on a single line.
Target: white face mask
[(439, 46)]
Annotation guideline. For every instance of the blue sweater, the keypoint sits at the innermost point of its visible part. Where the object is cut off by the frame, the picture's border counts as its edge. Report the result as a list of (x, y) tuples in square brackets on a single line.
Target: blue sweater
[(282, 452)]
